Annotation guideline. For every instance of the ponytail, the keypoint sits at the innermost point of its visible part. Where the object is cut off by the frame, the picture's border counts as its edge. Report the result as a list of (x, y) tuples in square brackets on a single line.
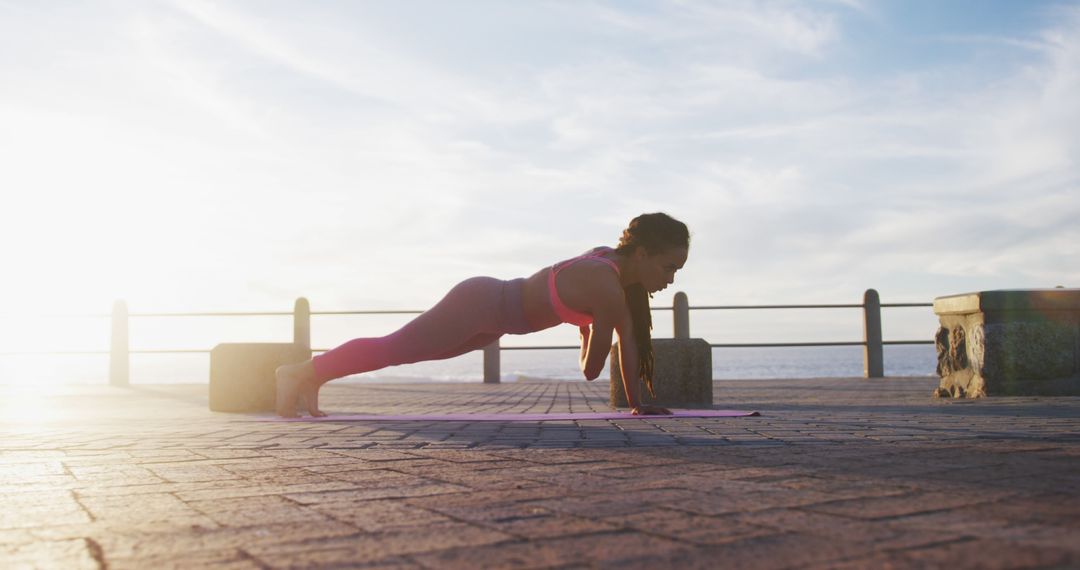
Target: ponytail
[(656, 233), (637, 299)]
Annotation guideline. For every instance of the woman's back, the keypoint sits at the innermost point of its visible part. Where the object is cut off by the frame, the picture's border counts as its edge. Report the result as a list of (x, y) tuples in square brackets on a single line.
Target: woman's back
[(571, 280)]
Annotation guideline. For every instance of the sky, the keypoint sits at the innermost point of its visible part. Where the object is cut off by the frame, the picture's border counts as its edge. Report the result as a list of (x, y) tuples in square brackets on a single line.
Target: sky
[(196, 155)]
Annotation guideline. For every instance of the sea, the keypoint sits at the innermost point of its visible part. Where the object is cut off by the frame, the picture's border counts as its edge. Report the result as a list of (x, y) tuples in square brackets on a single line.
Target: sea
[(518, 365), (75, 338)]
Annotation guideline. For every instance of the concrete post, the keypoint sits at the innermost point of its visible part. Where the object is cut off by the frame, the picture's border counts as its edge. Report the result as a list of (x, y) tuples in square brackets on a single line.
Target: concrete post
[(683, 375), (492, 366), (302, 324), (119, 365), (682, 315), (873, 358)]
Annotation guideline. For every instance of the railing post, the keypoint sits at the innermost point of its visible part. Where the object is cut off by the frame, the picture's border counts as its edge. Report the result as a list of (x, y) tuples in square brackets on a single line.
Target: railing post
[(492, 370), (682, 315), (873, 359), (119, 366), (302, 323)]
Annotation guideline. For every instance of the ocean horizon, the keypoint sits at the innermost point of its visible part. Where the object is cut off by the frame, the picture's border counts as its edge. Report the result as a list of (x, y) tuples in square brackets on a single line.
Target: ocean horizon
[(171, 333), (560, 365)]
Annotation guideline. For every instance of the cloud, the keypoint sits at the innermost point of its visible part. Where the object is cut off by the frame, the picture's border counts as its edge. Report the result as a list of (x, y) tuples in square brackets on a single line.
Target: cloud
[(334, 150), (727, 29)]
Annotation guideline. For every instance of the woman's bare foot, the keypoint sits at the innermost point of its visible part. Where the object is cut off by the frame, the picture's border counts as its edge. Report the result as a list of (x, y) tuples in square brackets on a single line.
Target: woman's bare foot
[(309, 396), (296, 383)]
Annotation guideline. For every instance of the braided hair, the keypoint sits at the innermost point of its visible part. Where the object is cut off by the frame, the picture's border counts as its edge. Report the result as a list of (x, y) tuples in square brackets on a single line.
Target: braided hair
[(656, 233)]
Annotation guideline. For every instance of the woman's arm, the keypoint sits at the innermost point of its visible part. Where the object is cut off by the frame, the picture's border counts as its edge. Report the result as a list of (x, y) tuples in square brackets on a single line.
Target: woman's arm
[(608, 308), (611, 315), (628, 363), (631, 372), (595, 348), (586, 333)]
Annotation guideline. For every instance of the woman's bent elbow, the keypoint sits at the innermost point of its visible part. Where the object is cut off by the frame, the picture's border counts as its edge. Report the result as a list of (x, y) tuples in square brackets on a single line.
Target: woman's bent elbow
[(591, 375)]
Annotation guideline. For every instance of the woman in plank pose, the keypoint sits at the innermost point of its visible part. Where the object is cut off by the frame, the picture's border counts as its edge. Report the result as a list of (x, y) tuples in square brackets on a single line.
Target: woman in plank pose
[(607, 288)]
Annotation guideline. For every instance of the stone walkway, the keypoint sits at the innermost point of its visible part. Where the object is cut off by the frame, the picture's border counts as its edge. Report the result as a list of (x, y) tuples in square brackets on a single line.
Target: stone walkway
[(835, 473)]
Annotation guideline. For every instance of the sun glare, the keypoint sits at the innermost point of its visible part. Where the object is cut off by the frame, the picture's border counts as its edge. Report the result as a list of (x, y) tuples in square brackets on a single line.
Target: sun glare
[(87, 219), (89, 227), (31, 405)]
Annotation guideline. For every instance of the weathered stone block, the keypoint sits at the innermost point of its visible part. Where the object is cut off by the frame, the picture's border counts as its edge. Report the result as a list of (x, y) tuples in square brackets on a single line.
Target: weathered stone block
[(1024, 342), (242, 374), (682, 374), (1027, 350)]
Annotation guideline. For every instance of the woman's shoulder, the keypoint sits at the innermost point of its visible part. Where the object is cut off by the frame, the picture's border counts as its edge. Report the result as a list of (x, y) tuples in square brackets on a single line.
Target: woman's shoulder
[(594, 256), (601, 263), (591, 255)]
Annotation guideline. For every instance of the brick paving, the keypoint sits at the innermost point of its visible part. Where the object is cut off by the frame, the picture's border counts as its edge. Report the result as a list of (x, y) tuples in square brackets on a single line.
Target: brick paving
[(835, 473)]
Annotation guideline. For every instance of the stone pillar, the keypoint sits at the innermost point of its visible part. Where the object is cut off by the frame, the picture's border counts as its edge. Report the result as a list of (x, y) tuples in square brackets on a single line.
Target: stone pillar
[(242, 374), (873, 353), (682, 375), (681, 309), (1009, 343), (302, 323), (492, 363), (119, 357)]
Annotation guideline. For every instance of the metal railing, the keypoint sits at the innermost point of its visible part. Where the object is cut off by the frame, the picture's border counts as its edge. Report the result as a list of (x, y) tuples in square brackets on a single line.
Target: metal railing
[(120, 352)]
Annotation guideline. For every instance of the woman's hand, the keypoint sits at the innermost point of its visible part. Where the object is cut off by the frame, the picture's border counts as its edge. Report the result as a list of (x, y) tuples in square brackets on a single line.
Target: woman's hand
[(644, 410)]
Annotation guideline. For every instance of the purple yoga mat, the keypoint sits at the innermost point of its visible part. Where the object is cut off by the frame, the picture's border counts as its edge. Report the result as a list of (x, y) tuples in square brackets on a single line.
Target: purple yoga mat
[(516, 417)]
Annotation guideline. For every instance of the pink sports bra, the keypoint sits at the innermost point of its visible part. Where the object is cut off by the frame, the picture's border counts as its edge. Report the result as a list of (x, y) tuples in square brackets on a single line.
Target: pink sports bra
[(566, 314)]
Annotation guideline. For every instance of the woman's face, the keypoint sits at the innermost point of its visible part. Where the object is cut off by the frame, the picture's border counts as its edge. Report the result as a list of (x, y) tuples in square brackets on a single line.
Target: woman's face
[(657, 271)]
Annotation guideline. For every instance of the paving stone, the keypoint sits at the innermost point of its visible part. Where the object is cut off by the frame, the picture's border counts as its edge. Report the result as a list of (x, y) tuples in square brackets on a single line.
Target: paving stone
[(541, 527), (147, 508), (73, 554), (214, 487), (189, 472), (372, 547), (493, 497), (113, 474), (258, 510), (992, 554), (177, 542), (230, 559), (595, 505), (839, 528), (619, 548), (30, 510), (697, 529), (375, 492), (895, 506), (15, 536), (784, 550), (245, 489), (380, 514), (1023, 520)]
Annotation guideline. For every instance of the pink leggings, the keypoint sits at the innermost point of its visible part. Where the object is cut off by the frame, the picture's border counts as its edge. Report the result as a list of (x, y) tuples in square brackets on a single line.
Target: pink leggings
[(472, 315)]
